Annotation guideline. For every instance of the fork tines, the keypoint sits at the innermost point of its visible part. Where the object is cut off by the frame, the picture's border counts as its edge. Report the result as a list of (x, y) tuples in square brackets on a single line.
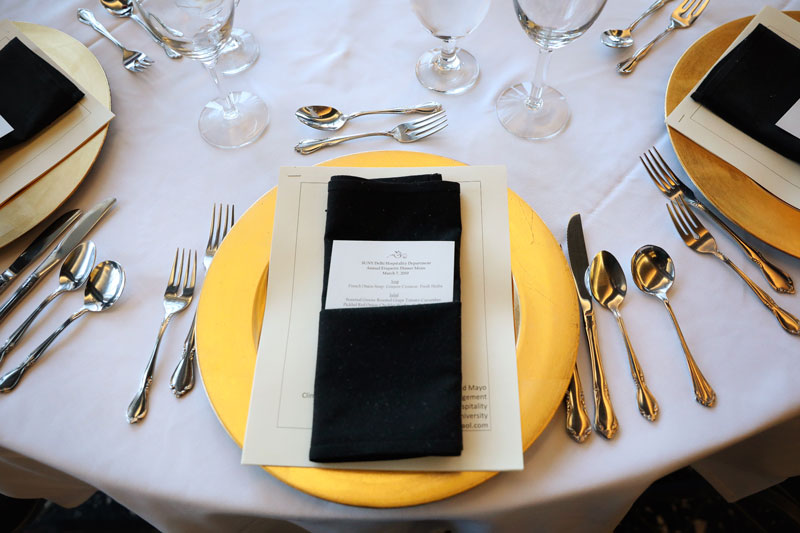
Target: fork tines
[(429, 125), (663, 176), (685, 221), (173, 284)]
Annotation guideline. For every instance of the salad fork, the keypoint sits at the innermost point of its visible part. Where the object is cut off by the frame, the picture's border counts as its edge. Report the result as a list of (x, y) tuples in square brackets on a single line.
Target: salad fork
[(406, 132), (132, 60), (177, 297), (182, 379), (683, 17), (670, 185), (697, 237)]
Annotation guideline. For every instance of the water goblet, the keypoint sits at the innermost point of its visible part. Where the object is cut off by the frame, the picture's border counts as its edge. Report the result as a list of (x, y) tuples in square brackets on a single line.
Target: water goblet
[(534, 110), (239, 53), (200, 29), (449, 69)]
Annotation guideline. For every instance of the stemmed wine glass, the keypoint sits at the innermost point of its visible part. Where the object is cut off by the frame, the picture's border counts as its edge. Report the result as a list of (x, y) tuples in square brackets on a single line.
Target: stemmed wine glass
[(199, 29), (449, 69), (534, 110), (239, 53)]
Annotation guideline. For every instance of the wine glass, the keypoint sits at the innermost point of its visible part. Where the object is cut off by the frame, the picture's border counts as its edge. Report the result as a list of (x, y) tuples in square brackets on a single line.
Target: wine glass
[(239, 53), (449, 69), (535, 110), (200, 29)]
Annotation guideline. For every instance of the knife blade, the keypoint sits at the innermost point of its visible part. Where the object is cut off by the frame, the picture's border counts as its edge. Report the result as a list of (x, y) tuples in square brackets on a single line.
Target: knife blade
[(37, 247), (70, 241), (605, 421)]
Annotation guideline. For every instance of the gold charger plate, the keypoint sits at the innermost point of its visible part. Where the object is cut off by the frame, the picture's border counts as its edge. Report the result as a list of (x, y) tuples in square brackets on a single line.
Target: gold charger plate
[(229, 327), (738, 197), (34, 203)]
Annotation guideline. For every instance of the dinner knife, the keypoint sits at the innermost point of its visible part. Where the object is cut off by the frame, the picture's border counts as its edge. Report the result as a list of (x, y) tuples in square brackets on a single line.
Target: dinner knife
[(70, 241), (37, 247), (605, 421)]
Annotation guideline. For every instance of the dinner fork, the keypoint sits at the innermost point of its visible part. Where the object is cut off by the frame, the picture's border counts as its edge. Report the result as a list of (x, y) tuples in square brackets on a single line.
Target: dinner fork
[(133, 60), (682, 17), (668, 183), (182, 379), (697, 237), (407, 132), (177, 297)]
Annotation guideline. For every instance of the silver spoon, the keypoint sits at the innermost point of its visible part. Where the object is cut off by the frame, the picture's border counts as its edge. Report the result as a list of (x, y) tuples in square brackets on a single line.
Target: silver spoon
[(124, 9), (623, 38), (327, 118), (654, 272), (103, 289), (606, 281), (74, 272)]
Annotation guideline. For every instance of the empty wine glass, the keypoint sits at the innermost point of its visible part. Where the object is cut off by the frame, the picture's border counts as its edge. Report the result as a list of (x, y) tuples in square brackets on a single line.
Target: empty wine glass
[(199, 29), (449, 69), (534, 110), (239, 53)]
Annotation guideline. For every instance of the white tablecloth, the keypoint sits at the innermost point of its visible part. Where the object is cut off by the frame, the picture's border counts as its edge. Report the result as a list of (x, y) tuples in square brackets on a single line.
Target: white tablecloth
[(65, 433)]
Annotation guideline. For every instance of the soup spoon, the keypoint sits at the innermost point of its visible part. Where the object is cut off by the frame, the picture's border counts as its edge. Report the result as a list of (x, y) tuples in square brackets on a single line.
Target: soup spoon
[(74, 272), (654, 272), (103, 289), (606, 281), (623, 38), (327, 118)]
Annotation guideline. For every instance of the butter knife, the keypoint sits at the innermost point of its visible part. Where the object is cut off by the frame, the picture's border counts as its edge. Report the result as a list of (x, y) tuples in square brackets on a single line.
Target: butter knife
[(605, 421), (70, 241), (37, 247)]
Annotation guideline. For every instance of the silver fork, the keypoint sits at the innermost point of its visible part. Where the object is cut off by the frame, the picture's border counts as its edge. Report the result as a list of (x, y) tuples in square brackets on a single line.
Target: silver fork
[(407, 132), (697, 237), (133, 60), (177, 297), (669, 184), (682, 17), (182, 379)]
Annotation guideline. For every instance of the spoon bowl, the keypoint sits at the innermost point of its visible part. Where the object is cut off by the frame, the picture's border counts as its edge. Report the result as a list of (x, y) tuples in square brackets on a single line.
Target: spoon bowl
[(617, 38)]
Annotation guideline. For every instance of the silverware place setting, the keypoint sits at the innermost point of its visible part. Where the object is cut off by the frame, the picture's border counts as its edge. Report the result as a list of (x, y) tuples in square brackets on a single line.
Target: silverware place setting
[(623, 38), (328, 118), (132, 60), (124, 9)]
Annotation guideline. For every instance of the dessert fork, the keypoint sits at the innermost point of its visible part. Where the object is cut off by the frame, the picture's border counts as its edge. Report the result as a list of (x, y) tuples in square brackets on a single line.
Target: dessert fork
[(697, 237), (406, 132), (683, 17), (669, 184), (133, 60), (177, 297)]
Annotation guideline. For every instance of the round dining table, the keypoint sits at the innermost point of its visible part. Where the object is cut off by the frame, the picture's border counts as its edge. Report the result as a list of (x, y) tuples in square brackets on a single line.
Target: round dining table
[(65, 434)]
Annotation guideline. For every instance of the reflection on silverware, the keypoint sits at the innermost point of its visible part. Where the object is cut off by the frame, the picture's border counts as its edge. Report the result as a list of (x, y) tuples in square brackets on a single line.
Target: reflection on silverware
[(577, 423), (683, 17), (331, 119), (607, 283), (623, 38), (697, 237), (105, 286), (654, 272), (75, 271), (177, 297), (669, 184), (124, 9), (182, 379), (132, 60), (406, 132)]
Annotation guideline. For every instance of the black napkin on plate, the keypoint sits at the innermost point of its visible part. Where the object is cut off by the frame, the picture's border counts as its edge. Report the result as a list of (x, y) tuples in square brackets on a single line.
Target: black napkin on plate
[(33, 94), (753, 86), (388, 379)]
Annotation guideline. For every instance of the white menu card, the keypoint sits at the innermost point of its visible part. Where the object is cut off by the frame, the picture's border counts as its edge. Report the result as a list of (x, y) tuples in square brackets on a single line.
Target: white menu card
[(282, 401)]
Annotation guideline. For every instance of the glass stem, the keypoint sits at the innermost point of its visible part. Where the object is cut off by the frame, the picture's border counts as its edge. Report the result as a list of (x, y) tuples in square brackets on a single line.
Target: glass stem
[(448, 58), (228, 107), (534, 100)]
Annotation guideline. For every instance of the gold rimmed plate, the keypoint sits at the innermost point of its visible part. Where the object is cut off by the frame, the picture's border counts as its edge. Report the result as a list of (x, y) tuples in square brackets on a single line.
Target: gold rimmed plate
[(229, 327)]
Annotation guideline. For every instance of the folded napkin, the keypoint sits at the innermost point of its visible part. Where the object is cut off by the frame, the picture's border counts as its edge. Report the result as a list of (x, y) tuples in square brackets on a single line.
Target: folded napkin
[(753, 86), (33, 94), (388, 379)]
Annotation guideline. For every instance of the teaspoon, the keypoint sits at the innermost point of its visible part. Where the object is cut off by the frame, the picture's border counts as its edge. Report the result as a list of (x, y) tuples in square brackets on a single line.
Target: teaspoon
[(623, 38), (74, 272), (105, 285), (654, 272), (124, 9), (327, 118), (606, 281)]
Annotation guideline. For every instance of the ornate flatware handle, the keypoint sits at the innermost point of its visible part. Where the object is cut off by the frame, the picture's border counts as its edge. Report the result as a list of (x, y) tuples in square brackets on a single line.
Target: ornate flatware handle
[(648, 407), (605, 421), (577, 422)]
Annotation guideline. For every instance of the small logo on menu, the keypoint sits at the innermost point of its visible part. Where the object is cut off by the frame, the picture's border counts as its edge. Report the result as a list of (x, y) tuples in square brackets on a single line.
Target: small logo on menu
[(397, 254)]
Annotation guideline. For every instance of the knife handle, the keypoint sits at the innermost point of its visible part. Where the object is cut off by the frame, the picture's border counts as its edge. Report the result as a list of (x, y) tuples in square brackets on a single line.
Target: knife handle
[(605, 421), (29, 283), (5, 280), (578, 425)]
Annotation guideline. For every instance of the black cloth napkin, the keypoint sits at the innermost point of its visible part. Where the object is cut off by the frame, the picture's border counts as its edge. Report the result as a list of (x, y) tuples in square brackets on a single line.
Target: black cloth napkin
[(388, 379), (33, 94), (753, 86)]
